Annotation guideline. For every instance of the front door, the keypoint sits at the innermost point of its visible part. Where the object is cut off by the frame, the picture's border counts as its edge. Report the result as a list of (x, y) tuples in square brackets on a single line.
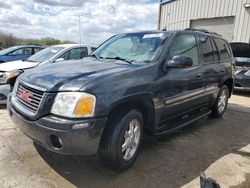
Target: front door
[(182, 89)]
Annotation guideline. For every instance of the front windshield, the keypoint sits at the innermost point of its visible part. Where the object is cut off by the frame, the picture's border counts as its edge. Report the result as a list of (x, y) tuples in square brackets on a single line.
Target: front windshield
[(45, 54), (138, 47), (8, 50)]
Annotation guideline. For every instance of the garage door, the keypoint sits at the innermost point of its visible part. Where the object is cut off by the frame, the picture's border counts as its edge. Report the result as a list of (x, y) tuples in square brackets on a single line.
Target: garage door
[(224, 26)]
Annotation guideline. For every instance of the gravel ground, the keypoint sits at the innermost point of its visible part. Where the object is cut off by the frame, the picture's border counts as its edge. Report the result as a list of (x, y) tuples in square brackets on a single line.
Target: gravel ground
[(171, 162)]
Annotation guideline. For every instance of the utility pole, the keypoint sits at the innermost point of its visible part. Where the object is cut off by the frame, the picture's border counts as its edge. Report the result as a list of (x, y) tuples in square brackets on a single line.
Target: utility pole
[(80, 35)]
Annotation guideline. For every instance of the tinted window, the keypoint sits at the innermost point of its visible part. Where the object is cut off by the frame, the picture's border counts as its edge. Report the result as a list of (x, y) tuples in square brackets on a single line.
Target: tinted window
[(216, 53), (185, 45), (223, 49), (207, 50), (37, 50), (27, 51), (76, 53)]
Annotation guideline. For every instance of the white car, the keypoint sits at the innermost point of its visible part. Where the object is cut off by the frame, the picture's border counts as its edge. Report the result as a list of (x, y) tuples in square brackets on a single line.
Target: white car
[(54, 54)]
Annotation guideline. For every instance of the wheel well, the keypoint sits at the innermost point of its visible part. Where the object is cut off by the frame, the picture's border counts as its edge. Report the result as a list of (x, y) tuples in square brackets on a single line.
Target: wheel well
[(146, 107), (229, 84)]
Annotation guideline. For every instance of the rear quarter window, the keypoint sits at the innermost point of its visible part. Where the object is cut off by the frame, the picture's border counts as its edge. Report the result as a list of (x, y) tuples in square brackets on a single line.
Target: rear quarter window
[(225, 53)]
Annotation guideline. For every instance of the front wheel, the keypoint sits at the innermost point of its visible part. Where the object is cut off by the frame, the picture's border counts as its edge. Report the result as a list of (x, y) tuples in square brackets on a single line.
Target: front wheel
[(221, 103), (122, 139)]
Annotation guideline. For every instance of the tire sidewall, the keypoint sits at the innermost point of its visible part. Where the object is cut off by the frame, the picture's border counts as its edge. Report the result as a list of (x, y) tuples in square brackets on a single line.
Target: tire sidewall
[(120, 130), (216, 107)]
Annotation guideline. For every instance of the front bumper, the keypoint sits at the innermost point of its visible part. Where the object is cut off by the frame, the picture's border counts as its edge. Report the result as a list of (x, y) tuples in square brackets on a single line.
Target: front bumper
[(57, 134), (4, 92)]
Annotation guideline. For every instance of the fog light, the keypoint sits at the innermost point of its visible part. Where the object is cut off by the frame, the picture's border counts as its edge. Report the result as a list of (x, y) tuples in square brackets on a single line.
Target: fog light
[(56, 142)]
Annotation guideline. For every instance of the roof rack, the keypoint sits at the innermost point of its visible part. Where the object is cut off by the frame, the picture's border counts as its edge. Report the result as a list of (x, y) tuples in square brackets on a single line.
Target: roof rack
[(201, 30)]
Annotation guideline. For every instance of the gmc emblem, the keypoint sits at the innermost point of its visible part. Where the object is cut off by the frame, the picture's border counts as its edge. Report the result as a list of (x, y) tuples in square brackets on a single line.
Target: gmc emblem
[(26, 96)]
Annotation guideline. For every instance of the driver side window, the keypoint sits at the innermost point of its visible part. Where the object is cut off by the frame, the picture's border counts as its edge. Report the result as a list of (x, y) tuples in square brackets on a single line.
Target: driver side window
[(74, 54), (185, 45)]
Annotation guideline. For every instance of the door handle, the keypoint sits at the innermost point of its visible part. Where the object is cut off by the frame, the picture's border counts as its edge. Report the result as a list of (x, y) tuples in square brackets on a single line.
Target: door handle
[(199, 75)]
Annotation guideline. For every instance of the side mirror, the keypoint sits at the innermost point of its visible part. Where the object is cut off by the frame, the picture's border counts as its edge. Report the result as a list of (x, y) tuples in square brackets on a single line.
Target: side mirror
[(179, 62)]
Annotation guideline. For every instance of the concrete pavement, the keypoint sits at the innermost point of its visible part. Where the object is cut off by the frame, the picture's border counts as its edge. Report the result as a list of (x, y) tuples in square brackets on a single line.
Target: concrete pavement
[(171, 162)]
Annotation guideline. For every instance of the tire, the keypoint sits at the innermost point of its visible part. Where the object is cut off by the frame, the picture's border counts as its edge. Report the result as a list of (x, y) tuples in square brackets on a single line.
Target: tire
[(221, 103), (114, 142)]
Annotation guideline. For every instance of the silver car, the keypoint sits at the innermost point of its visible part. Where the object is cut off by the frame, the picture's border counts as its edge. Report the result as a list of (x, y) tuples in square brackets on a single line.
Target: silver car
[(54, 54)]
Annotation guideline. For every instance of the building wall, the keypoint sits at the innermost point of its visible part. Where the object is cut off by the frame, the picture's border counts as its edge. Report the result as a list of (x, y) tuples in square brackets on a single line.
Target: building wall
[(179, 13)]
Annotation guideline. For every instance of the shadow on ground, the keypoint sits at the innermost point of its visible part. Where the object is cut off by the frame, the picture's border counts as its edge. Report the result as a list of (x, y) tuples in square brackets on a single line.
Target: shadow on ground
[(242, 93), (172, 161), (2, 106)]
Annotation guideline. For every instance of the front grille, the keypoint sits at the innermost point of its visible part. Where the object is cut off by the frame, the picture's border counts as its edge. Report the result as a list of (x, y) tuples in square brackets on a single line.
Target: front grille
[(29, 97)]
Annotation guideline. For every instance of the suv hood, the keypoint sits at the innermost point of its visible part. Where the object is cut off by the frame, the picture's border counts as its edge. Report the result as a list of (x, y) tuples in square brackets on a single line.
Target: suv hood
[(15, 65), (72, 75)]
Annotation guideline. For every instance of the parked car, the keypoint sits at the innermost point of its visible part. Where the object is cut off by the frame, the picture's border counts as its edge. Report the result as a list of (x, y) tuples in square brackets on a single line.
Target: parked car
[(10, 71), (18, 53), (154, 82), (241, 53)]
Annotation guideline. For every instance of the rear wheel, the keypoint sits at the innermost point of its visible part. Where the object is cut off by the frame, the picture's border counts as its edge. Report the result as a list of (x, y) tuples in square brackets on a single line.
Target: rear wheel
[(122, 139), (221, 103)]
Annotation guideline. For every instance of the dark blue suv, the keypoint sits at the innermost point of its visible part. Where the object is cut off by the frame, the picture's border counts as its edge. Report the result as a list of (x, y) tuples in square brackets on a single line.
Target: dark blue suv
[(18, 53), (151, 82)]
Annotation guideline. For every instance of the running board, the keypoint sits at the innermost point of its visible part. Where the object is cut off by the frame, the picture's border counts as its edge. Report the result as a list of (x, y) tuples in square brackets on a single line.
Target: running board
[(185, 122)]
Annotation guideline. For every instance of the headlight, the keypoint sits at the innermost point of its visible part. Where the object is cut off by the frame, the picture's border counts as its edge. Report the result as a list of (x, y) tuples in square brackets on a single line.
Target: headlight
[(4, 77), (247, 73), (74, 104)]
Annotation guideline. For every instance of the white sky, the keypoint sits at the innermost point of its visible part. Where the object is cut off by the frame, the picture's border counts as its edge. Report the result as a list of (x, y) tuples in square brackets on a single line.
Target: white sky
[(59, 19)]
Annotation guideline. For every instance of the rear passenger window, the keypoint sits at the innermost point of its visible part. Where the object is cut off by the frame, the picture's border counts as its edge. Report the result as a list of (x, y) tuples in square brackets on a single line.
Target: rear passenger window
[(37, 50), (185, 45), (223, 49), (207, 50), (215, 50)]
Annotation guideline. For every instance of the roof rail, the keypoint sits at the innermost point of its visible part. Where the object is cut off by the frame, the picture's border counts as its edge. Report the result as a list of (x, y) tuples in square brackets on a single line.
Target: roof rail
[(201, 30)]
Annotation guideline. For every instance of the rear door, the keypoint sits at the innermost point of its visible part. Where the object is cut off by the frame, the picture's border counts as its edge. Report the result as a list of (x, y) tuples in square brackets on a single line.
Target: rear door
[(213, 60), (210, 58)]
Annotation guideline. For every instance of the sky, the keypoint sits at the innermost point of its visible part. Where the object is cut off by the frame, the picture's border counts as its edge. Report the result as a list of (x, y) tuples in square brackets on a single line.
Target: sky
[(99, 19)]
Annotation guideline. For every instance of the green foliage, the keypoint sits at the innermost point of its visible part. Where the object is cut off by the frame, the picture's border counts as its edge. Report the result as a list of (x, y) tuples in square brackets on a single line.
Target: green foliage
[(8, 40)]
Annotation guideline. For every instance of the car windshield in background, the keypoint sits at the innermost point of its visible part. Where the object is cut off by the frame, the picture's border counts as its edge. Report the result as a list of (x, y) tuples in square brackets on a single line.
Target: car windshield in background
[(7, 50), (45, 54), (242, 61), (139, 47)]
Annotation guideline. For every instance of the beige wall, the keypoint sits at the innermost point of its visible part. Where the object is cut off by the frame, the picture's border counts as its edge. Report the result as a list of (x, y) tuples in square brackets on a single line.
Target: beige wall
[(178, 15)]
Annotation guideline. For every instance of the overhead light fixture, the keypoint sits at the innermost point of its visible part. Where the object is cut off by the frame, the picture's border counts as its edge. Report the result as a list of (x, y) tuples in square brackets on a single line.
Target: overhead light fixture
[(247, 5)]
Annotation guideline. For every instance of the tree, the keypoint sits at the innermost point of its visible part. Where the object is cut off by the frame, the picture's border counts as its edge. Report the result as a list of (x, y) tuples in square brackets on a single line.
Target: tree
[(8, 40)]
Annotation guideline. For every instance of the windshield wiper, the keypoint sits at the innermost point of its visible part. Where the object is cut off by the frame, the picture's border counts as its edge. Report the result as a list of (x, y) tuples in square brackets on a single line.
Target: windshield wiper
[(119, 58)]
